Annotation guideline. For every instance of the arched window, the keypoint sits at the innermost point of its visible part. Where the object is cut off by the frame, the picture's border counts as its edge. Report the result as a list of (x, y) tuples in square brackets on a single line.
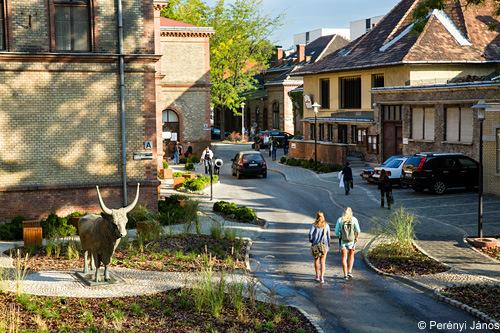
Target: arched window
[(276, 115), (170, 121)]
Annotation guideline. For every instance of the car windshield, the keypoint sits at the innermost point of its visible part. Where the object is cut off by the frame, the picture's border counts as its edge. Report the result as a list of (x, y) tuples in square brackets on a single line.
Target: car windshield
[(394, 164), (414, 160), (253, 157), (387, 161)]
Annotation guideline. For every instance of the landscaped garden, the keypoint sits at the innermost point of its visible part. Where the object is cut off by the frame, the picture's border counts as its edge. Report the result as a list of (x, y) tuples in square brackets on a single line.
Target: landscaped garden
[(482, 297), (311, 164), (243, 214), (397, 254)]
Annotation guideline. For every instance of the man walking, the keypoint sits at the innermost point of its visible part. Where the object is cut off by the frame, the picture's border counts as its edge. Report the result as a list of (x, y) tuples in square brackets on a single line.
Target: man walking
[(206, 158), (347, 173)]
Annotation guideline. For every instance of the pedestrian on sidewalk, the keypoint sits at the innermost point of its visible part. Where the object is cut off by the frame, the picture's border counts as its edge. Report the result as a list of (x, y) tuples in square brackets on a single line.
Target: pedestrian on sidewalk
[(348, 180), (274, 148), (268, 143), (347, 229), (206, 158), (286, 144), (385, 187), (256, 143), (319, 237), (176, 153)]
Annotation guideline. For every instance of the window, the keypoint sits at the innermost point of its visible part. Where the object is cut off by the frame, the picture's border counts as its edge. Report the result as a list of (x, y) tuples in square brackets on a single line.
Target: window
[(342, 130), (372, 144), (458, 124), (3, 43), (321, 132), (391, 112), (498, 150), (350, 93), (72, 25), (171, 123), (361, 133), (377, 82), (325, 93), (276, 115), (422, 120), (330, 133), (312, 131)]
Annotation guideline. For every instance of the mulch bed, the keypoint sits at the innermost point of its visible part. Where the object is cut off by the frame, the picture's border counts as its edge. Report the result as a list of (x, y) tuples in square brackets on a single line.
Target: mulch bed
[(485, 298), (492, 252), (173, 253), (170, 311), (389, 259)]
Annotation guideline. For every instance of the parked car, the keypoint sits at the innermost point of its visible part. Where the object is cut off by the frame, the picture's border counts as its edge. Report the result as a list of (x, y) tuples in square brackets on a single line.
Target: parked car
[(249, 163), (279, 135), (393, 170), (367, 173), (440, 171), (215, 133)]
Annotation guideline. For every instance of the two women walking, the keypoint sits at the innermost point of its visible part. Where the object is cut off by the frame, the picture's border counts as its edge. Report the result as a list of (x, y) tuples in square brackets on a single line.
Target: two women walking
[(347, 229)]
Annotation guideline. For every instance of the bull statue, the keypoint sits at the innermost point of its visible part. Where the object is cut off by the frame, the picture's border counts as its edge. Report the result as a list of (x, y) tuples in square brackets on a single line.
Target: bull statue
[(101, 234)]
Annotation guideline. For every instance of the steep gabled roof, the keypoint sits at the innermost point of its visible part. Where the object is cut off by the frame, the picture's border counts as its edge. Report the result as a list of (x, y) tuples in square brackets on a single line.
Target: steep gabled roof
[(454, 34)]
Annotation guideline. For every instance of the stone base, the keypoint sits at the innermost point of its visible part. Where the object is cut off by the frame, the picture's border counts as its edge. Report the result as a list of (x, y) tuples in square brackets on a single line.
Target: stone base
[(88, 279)]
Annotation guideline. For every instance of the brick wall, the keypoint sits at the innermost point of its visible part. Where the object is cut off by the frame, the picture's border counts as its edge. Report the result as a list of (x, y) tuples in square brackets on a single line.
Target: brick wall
[(490, 152), (330, 153)]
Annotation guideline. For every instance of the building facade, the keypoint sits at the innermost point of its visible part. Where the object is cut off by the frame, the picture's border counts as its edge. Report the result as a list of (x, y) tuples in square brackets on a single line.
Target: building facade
[(183, 85), (60, 131), (455, 43), (360, 27), (310, 36)]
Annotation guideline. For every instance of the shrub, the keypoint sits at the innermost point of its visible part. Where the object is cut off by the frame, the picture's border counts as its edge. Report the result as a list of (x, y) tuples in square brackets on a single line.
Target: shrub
[(139, 213), (283, 159), (189, 166), (193, 159), (56, 227), (12, 230), (199, 183), (234, 137), (240, 213), (170, 212), (178, 174), (310, 164), (400, 229), (151, 231), (165, 164), (245, 214)]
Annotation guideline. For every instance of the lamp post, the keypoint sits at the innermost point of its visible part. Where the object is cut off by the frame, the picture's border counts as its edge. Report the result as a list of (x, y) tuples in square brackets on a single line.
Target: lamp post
[(481, 115), (316, 107), (242, 121)]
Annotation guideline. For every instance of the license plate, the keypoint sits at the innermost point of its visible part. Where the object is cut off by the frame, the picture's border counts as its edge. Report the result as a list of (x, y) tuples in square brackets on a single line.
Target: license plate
[(252, 165)]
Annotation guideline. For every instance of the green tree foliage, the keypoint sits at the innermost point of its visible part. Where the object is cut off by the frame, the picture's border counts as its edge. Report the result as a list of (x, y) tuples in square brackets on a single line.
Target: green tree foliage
[(239, 48), (425, 6)]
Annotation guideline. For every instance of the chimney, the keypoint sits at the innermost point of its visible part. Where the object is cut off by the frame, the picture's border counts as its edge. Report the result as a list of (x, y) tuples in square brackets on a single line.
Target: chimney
[(301, 53), (279, 55)]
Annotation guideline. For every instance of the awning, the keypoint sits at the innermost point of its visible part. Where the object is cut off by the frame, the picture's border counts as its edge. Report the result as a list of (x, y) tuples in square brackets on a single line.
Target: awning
[(363, 117)]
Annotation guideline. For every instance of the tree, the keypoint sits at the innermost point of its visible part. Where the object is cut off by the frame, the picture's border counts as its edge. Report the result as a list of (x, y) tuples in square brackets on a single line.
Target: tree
[(425, 6), (239, 49)]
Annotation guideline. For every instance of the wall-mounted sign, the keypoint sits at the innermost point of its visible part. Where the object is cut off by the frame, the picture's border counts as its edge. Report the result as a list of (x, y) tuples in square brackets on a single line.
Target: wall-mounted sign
[(143, 155), (148, 145), (166, 135), (293, 145), (405, 141), (174, 137), (308, 101), (206, 127)]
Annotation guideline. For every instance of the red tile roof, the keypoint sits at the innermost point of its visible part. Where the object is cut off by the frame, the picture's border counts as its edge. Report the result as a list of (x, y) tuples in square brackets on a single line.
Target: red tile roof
[(166, 22), (439, 41)]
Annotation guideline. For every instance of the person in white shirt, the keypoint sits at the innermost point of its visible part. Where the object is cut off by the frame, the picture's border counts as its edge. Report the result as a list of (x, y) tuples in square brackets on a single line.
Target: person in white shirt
[(207, 157)]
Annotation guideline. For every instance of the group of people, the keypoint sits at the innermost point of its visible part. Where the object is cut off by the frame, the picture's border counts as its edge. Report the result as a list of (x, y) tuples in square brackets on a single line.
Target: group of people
[(347, 230), (177, 152), (384, 185), (271, 144)]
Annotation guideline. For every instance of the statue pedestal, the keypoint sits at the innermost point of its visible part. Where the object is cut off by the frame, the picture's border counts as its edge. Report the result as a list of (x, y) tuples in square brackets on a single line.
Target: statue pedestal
[(88, 279)]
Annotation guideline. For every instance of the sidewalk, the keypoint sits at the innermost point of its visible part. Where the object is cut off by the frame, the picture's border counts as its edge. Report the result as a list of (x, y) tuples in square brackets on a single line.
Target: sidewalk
[(445, 244)]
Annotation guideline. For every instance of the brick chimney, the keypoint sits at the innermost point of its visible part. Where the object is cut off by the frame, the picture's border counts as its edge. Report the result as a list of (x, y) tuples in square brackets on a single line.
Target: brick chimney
[(301, 52), (279, 55)]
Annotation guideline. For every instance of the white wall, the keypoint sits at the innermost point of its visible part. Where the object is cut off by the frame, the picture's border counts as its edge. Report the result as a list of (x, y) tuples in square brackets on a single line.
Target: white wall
[(315, 34), (358, 27)]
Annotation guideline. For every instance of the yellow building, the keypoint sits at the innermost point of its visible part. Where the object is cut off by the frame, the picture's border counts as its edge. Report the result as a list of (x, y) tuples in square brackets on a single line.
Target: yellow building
[(454, 44)]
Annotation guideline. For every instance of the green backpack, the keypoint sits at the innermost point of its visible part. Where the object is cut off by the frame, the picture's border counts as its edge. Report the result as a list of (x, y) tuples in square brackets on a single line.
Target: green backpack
[(348, 232)]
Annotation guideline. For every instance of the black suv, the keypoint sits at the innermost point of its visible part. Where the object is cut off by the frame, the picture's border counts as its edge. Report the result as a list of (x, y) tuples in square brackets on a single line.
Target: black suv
[(249, 163), (439, 171)]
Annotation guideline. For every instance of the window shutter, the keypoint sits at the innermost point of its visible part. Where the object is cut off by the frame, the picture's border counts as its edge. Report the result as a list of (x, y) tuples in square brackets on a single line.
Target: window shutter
[(417, 123), (429, 124), (452, 123), (466, 125)]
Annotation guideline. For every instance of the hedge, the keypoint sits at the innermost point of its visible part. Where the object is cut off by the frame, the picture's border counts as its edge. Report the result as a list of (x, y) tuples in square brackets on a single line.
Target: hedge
[(240, 213), (12, 230), (199, 183), (312, 165)]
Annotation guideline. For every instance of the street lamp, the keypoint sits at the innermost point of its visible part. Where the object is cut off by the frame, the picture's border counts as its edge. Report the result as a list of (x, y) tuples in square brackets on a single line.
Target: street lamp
[(481, 115), (242, 121), (316, 107)]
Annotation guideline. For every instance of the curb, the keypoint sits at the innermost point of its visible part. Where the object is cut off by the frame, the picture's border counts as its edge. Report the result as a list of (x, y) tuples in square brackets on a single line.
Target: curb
[(280, 172), (309, 318), (480, 252), (435, 293)]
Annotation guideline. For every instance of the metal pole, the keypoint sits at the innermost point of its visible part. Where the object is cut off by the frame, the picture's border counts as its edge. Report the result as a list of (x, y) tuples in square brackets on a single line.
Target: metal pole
[(121, 65), (315, 138), (242, 123), (480, 188), (211, 179)]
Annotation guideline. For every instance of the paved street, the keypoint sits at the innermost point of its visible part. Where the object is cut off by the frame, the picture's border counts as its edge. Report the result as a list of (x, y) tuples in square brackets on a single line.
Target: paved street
[(281, 258)]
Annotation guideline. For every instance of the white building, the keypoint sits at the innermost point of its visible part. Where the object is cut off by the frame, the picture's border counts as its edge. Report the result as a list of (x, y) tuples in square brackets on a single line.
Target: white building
[(309, 36), (361, 27)]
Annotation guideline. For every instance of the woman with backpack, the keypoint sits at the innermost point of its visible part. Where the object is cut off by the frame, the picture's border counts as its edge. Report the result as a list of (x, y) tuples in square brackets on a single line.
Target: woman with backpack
[(347, 229), (385, 187), (319, 237)]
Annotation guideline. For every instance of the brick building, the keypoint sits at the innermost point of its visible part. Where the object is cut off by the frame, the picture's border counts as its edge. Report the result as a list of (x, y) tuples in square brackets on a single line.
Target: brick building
[(59, 104), (455, 43), (183, 84), (271, 106), (441, 118)]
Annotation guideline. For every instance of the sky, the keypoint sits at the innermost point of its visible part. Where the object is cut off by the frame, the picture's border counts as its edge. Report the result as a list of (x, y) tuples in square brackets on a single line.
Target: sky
[(306, 15)]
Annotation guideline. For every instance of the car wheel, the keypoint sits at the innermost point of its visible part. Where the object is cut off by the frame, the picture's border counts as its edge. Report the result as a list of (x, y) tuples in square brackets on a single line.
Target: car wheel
[(439, 187), (264, 175)]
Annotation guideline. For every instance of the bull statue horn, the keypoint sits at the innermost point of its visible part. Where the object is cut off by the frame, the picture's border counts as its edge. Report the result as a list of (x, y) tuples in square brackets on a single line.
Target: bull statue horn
[(132, 205), (101, 203)]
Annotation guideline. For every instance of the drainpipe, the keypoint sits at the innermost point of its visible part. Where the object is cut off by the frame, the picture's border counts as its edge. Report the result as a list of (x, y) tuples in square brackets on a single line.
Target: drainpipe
[(121, 65)]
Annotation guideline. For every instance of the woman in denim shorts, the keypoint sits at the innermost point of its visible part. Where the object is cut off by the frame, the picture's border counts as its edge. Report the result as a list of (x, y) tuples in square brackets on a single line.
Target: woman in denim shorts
[(347, 229)]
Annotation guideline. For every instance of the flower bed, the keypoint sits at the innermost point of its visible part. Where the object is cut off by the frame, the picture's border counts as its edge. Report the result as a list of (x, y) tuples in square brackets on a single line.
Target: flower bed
[(485, 298), (237, 213)]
